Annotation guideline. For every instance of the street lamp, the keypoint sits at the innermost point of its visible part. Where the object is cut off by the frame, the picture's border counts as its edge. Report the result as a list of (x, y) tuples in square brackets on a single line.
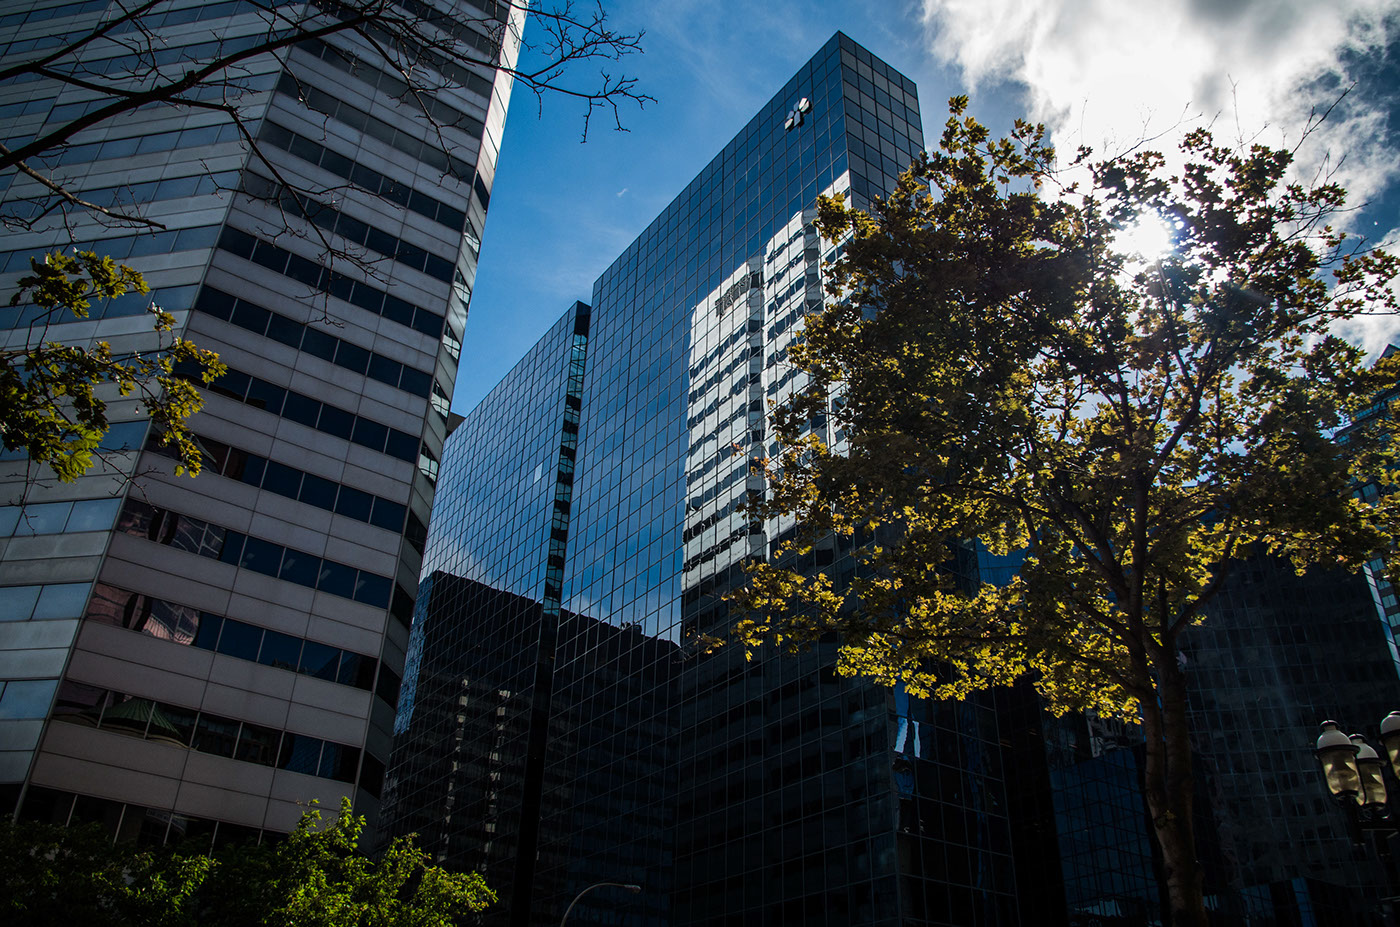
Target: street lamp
[(1390, 739), (1355, 775), (1337, 754), (1370, 766), (631, 887)]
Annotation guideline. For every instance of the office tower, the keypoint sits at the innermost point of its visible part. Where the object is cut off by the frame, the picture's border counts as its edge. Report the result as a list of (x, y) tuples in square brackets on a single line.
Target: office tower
[(195, 658), (563, 722)]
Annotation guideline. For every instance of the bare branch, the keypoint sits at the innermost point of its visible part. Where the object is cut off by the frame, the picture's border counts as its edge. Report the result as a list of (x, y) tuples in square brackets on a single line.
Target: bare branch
[(406, 36), (67, 196)]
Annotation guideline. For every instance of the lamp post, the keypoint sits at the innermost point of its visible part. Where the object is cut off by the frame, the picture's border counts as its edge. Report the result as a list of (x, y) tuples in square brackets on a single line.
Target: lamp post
[(631, 887), (1337, 754), (1355, 776)]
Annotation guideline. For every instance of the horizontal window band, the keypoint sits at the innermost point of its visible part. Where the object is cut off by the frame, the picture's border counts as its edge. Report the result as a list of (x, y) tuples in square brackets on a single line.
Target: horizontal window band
[(131, 195), (114, 148), (205, 732), (324, 417), (308, 272), (67, 517), (53, 12), (262, 473), (122, 248), (157, 825), (44, 602), (193, 627), (159, 58), (331, 219), (196, 536), (189, 14), (302, 337)]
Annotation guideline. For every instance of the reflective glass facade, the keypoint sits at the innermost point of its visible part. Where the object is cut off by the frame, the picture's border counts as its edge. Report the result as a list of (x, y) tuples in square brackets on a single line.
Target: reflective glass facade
[(1279, 654), (194, 658), (560, 726), (1276, 654)]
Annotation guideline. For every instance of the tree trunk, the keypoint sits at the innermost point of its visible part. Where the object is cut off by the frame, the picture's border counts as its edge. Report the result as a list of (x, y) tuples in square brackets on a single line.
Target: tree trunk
[(1170, 797)]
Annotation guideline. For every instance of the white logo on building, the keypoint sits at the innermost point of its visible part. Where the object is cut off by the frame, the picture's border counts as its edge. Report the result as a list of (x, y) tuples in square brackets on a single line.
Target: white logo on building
[(794, 116)]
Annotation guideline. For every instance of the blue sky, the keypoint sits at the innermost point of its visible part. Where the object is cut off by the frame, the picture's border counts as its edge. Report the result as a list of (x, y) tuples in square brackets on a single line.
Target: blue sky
[(1095, 71)]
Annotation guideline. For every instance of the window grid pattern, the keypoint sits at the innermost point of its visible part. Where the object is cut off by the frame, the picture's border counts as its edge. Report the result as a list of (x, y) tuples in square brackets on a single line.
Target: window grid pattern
[(736, 792), (205, 732), (196, 536), (314, 341)]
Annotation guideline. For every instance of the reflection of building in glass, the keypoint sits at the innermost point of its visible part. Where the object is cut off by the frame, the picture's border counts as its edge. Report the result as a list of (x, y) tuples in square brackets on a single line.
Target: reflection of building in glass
[(1279, 654), (1276, 654), (467, 780), (597, 518), (1383, 591), (231, 646), (1080, 832)]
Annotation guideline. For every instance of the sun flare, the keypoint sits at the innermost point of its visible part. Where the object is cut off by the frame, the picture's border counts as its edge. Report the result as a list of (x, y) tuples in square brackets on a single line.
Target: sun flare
[(1147, 239)]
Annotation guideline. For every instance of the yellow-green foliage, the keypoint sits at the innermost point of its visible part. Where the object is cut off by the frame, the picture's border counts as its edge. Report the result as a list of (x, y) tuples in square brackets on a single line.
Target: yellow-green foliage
[(50, 405), (316, 877), (1006, 375)]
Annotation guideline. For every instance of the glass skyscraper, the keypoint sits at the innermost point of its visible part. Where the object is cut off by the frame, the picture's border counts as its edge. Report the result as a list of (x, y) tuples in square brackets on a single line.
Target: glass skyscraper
[(194, 658), (562, 722)]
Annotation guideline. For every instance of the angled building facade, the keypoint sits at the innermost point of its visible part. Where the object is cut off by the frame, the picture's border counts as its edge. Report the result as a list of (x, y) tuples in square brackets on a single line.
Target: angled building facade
[(558, 689), (195, 658)]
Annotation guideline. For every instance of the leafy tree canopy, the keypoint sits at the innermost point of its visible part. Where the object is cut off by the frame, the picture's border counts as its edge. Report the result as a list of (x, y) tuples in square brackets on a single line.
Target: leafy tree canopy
[(54, 396), (314, 878), (1003, 373)]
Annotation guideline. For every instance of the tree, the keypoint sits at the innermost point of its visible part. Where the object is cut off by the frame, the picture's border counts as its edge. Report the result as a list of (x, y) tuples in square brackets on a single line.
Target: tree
[(314, 878), (59, 875), (1004, 373), (54, 396), (426, 47)]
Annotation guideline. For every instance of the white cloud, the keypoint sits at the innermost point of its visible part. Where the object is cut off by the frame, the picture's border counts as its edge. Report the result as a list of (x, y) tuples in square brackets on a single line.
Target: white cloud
[(1106, 73)]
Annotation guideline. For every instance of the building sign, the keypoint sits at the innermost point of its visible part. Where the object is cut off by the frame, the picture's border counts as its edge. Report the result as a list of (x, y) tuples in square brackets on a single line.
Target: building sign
[(794, 116)]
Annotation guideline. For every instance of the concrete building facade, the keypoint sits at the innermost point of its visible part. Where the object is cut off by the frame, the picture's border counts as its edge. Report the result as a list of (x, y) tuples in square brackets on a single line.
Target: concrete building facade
[(198, 658)]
